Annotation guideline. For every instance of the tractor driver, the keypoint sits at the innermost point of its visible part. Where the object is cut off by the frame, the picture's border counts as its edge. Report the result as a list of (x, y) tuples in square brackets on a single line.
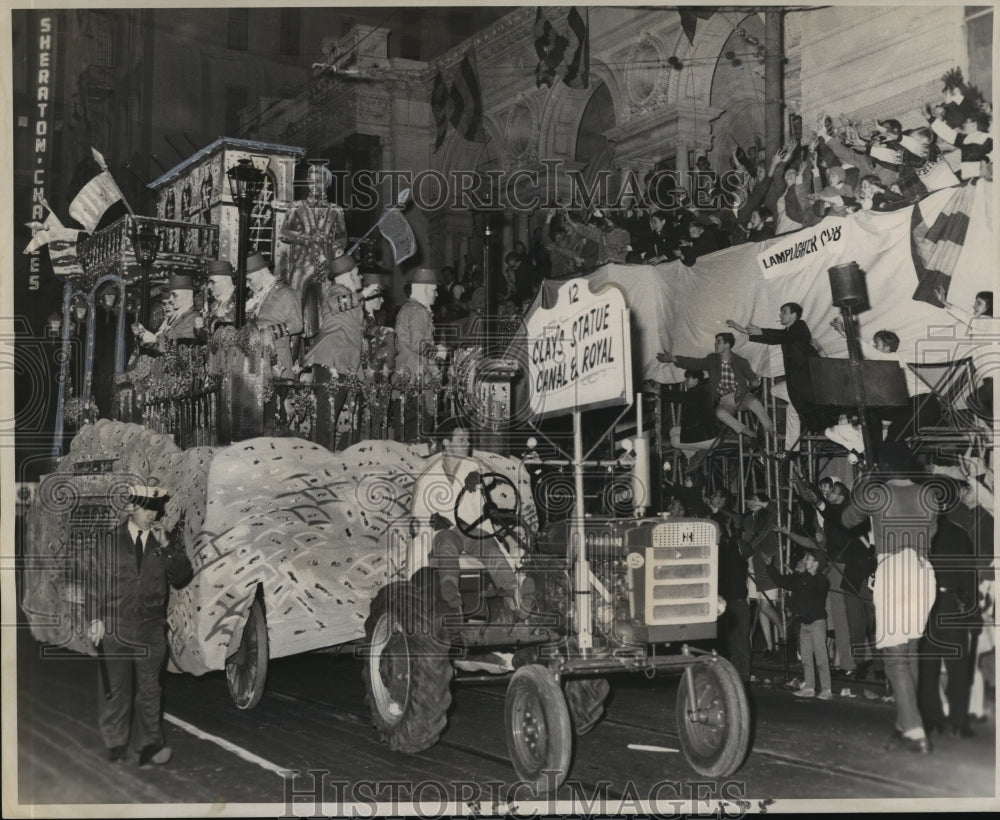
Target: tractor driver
[(435, 494)]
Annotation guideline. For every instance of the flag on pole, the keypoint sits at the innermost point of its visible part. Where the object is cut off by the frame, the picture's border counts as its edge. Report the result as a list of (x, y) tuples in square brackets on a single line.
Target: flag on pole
[(550, 48), (439, 108), (690, 15), (578, 38), (94, 199), (467, 101), (61, 242), (47, 231), (398, 233), (62, 254)]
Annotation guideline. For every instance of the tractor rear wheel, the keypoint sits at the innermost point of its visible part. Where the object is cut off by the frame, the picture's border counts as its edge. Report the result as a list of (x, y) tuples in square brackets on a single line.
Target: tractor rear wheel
[(407, 671)]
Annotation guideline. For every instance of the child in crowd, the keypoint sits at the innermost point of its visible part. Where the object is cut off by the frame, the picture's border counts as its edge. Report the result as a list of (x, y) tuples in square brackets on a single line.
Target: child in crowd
[(835, 198), (874, 196), (809, 588)]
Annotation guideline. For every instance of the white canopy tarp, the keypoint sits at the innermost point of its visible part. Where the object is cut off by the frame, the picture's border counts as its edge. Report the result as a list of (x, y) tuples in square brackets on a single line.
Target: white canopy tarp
[(680, 309)]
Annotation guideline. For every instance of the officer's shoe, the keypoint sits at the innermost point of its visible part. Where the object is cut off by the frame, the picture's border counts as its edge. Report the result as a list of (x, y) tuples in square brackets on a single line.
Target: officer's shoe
[(155, 754), (116, 754)]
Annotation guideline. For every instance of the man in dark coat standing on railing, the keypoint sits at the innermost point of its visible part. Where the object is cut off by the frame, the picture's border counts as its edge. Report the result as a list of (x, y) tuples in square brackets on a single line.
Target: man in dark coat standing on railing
[(127, 602), (796, 351)]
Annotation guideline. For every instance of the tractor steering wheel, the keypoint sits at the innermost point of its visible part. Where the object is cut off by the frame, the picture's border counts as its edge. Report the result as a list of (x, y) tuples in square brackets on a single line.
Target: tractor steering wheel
[(503, 519)]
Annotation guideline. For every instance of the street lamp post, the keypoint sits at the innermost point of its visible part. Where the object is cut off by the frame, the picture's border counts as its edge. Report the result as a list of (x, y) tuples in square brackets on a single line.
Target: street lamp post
[(145, 245), (245, 183), (848, 291)]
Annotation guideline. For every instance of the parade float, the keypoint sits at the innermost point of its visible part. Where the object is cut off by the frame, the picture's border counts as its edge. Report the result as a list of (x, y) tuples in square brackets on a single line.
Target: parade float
[(297, 523), (283, 521)]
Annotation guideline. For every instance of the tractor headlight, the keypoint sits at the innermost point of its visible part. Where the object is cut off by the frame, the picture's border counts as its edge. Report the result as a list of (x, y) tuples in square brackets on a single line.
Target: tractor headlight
[(720, 606)]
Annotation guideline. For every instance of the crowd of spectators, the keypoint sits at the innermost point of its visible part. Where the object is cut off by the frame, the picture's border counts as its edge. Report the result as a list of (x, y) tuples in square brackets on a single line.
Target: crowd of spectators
[(891, 600), (901, 591)]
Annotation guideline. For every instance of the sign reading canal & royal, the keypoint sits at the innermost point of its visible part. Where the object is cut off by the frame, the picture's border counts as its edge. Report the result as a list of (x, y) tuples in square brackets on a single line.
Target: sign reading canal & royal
[(579, 350)]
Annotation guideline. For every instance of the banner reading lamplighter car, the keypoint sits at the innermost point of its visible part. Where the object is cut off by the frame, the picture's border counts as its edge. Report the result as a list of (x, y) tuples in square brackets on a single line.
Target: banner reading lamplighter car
[(579, 350)]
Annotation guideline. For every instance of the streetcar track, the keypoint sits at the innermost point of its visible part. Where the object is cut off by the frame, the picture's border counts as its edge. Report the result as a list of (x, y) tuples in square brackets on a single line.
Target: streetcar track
[(353, 717), (779, 757), (362, 719)]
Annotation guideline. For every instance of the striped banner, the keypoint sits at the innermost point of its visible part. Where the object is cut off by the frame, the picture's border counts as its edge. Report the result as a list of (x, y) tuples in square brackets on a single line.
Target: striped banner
[(62, 254), (45, 232), (936, 248), (94, 199)]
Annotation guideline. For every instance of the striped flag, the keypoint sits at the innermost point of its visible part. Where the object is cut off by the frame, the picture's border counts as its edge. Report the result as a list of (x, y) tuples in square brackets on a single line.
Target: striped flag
[(467, 101), (936, 246), (99, 194), (439, 108), (550, 48), (62, 254), (578, 38), (45, 232)]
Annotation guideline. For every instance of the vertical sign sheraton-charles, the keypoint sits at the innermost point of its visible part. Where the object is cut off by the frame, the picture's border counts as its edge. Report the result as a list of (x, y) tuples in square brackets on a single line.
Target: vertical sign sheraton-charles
[(579, 353), (41, 119)]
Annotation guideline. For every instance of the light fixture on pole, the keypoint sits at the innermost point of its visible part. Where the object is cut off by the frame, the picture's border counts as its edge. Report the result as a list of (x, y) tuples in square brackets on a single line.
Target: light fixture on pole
[(78, 307), (847, 289), (245, 184), (145, 246), (53, 326)]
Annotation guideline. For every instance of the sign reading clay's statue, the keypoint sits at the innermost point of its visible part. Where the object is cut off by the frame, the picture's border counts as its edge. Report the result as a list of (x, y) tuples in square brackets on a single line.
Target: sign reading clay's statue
[(579, 350)]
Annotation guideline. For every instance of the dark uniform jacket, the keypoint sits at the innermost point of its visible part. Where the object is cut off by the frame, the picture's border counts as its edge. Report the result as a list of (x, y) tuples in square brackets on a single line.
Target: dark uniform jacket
[(126, 599)]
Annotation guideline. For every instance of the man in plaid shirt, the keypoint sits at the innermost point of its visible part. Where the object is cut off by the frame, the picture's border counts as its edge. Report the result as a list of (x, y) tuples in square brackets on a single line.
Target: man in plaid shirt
[(730, 380)]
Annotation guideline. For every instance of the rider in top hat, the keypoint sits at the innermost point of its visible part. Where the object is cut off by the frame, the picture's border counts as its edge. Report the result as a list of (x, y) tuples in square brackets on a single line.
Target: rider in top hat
[(415, 324), (341, 318), (379, 352), (276, 306), (220, 307), (182, 322)]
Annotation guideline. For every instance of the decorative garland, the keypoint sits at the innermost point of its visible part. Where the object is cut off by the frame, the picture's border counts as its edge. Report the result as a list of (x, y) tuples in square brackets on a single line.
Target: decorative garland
[(77, 413)]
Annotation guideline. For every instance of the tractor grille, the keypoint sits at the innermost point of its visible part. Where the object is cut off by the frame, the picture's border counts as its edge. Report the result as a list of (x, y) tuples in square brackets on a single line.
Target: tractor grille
[(680, 573)]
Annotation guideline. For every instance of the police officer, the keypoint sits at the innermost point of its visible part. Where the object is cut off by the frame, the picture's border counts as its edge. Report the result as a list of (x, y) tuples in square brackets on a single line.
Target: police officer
[(128, 606)]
